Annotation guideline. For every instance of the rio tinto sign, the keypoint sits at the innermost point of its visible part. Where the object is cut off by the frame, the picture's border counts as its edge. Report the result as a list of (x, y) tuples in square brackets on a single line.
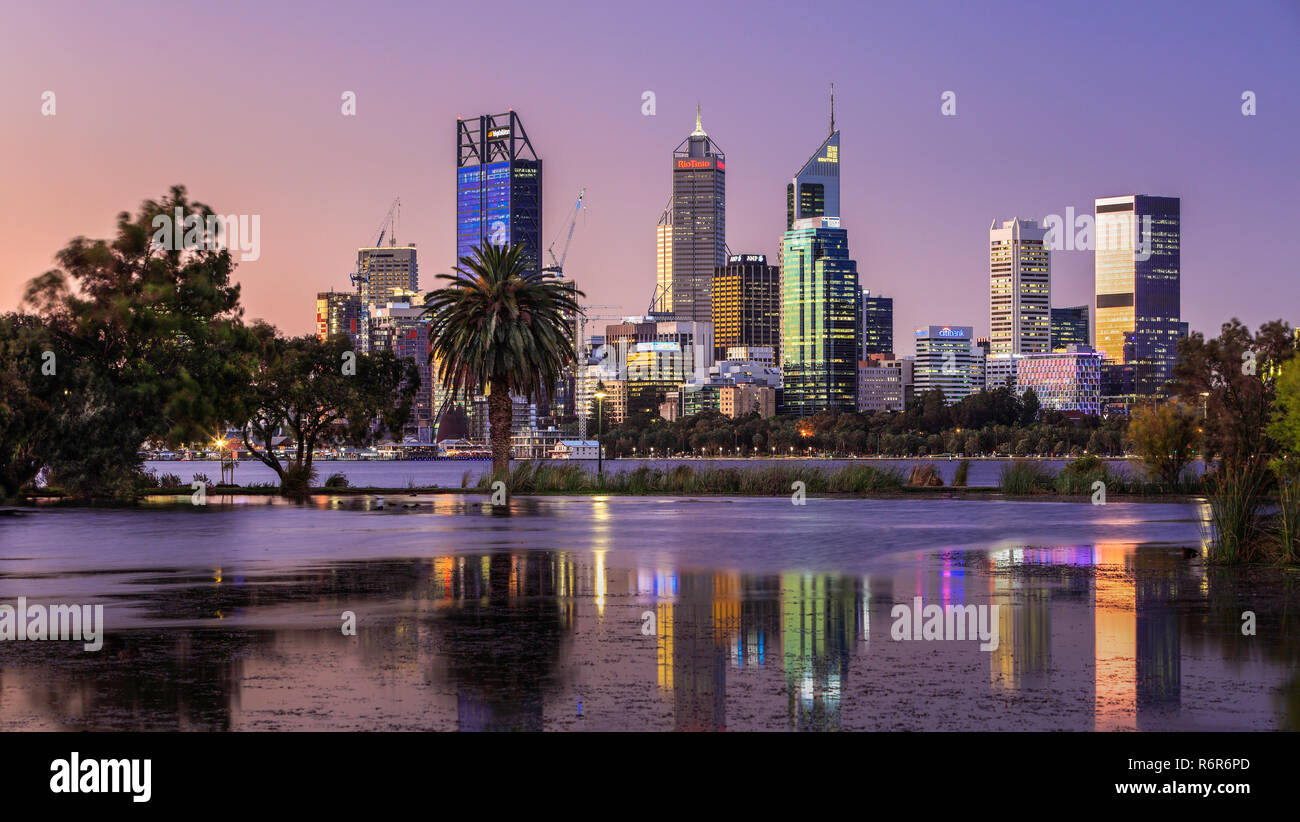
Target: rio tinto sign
[(696, 163)]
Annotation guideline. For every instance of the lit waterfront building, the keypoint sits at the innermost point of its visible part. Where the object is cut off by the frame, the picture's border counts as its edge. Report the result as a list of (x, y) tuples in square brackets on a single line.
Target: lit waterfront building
[(1138, 285), (947, 359), (498, 186), (877, 325), (1070, 326), (746, 304), (1068, 381), (1020, 288), (697, 224)]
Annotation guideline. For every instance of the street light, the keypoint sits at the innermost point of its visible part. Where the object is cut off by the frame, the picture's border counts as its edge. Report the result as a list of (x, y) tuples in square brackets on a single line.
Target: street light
[(600, 426)]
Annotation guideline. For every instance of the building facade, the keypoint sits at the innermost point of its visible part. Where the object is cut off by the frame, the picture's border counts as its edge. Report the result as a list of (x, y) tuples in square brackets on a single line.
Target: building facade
[(746, 304), (882, 384), (1020, 288), (1069, 381), (948, 360), (1070, 326), (338, 312), (698, 224), (498, 186), (819, 320), (877, 325), (1139, 285)]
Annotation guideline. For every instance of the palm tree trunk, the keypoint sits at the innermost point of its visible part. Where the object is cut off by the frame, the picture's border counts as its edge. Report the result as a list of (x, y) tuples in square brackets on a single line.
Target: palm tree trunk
[(499, 419)]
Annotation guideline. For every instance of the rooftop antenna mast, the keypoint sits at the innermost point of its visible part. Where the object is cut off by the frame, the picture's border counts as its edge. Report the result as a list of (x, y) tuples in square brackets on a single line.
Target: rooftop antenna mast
[(832, 108)]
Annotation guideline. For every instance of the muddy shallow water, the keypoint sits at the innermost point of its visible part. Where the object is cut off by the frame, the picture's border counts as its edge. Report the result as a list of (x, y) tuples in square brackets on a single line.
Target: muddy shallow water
[(641, 613)]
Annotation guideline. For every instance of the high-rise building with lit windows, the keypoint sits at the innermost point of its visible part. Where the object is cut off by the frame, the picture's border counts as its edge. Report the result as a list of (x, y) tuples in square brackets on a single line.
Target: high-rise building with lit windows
[(815, 190), (1070, 326), (746, 299), (1139, 284), (498, 186), (1020, 289), (691, 237), (820, 301), (877, 332)]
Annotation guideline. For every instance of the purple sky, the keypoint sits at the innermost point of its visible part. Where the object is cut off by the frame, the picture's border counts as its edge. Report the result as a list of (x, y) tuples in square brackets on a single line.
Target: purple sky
[(1055, 106)]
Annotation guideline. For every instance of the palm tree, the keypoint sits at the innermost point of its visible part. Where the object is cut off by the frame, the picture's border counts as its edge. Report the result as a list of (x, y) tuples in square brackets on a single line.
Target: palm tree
[(502, 328)]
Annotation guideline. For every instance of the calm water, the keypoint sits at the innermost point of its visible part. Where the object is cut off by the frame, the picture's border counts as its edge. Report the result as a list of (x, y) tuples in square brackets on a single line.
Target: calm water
[(449, 473), (639, 613)]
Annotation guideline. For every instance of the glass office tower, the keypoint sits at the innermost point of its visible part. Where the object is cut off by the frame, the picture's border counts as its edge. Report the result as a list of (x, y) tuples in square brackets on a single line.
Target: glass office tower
[(877, 333), (820, 301), (1138, 281), (1070, 327), (498, 186), (815, 190)]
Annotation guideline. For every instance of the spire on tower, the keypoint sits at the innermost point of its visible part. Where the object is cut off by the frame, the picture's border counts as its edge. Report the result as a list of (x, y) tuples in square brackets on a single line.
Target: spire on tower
[(832, 108), (699, 128)]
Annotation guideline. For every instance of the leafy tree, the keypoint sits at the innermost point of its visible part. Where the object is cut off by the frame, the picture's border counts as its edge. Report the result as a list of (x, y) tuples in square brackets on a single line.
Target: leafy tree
[(500, 328), (1232, 379), (1165, 436), (301, 386), (151, 342), (1285, 424), (28, 391)]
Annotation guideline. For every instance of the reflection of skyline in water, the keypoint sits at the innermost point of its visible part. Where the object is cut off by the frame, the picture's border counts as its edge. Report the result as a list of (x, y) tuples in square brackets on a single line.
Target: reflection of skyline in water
[(508, 641), (1107, 635)]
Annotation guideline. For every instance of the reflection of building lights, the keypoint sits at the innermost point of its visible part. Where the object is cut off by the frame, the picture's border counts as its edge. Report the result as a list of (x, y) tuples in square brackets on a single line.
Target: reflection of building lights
[(600, 583)]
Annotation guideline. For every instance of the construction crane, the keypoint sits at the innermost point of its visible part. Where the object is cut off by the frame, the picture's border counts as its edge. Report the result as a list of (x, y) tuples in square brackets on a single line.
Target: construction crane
[(557, 266), (360, 279)]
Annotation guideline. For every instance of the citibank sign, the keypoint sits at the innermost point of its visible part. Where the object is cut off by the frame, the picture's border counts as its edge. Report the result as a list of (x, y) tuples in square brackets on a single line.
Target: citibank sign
[(945, 331)]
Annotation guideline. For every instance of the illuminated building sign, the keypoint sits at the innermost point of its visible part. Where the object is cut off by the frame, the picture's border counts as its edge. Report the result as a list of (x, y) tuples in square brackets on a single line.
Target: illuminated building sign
[(943, 331), (761, 259), (498, 133), (694, 163), (658, 346)]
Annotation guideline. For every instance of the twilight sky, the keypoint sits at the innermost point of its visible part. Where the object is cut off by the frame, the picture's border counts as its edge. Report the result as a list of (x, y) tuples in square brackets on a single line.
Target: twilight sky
[(1056, 105)]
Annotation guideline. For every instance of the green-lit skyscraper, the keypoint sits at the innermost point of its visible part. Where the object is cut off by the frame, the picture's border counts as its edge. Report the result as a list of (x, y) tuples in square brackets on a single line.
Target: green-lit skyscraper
[(819, 317)]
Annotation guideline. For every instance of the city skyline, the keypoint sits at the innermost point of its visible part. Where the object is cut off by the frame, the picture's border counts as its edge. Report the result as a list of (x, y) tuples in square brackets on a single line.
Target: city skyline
[(923, 184)]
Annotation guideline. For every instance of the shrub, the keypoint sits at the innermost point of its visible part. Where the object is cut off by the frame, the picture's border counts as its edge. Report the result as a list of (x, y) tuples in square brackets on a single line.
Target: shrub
[(170, 481), (336, 480), (1236, 500), (1025, 477), (297, 479), (963, 469)]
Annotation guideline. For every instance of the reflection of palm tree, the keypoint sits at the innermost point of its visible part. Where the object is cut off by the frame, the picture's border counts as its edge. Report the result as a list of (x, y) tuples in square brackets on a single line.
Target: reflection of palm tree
[(501, 328), (504, 645)]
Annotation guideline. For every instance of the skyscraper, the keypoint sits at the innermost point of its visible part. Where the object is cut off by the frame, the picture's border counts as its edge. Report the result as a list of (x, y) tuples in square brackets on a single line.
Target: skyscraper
[(1138, 280), (386, 274), (746, 299), (877, 333), (1020, 289), (498, 186), (815, 190), (1070, 327), (819, 320), (697, 224)]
